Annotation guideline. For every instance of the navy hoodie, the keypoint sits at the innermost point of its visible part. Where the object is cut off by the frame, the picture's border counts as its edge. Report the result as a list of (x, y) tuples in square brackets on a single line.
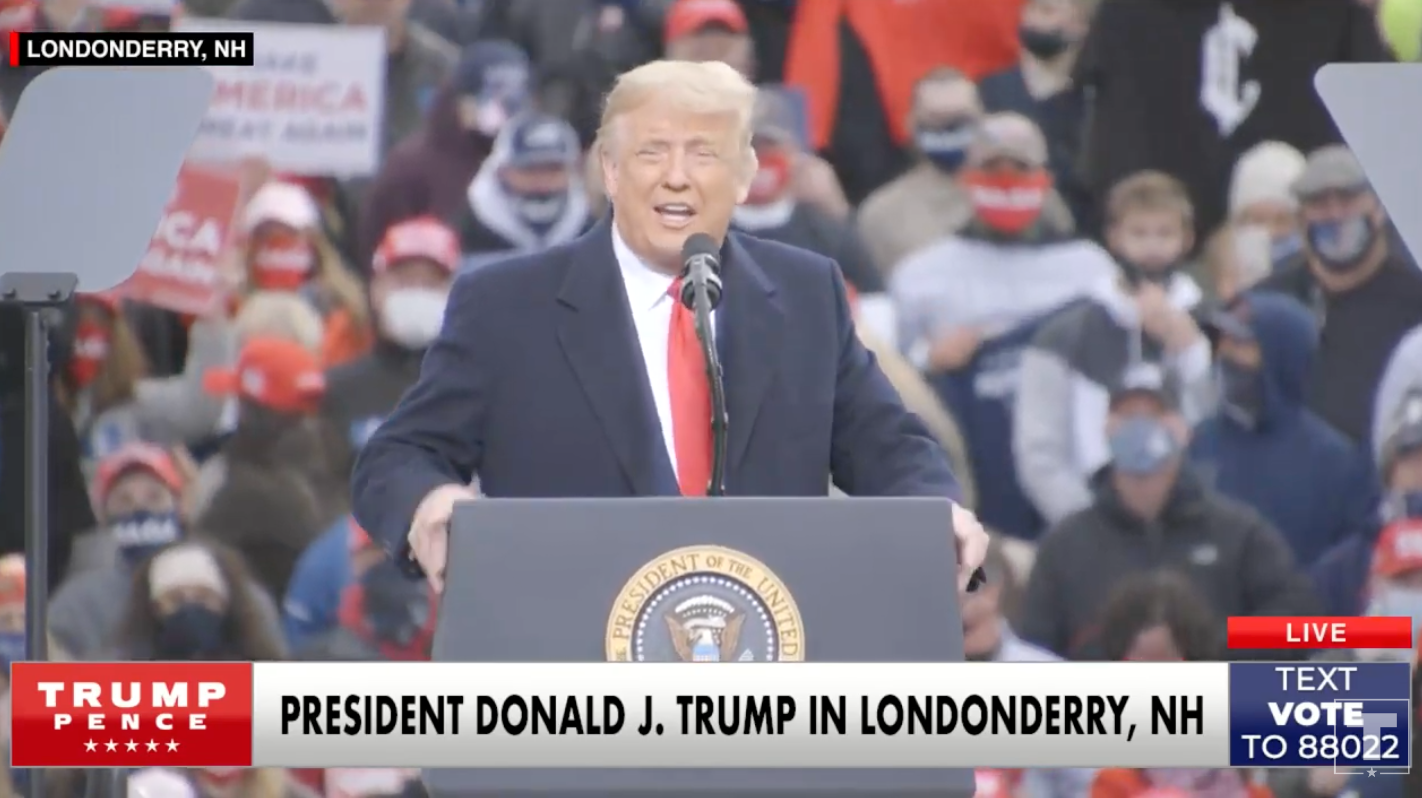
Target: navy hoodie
[(1313, 484)]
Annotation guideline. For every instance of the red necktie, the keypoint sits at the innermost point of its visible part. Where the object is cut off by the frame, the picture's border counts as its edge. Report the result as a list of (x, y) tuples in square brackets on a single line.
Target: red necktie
[(690, 400)]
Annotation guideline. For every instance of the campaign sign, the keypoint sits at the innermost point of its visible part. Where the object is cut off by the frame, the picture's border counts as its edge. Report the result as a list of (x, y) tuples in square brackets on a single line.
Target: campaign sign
[(310, 105), (137, 714), (1349, 716), (182, 269)]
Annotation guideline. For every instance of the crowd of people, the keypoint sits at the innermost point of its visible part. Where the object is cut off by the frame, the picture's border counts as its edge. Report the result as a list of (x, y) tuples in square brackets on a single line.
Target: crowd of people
[(1114, 253)]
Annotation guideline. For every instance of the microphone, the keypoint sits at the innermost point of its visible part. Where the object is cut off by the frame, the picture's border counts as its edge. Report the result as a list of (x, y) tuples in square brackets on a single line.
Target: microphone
[(701, 293), (701, 266)]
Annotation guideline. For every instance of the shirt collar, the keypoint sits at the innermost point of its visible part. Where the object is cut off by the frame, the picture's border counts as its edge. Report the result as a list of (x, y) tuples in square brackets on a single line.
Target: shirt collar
[(646, 287)]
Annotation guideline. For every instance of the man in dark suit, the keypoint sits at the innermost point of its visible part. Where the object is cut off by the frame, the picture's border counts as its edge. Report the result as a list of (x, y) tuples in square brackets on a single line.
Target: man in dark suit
[(574, 372)]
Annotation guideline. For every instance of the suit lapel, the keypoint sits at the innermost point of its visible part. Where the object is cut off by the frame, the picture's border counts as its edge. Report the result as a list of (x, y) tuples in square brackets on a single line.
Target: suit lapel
[(597, 335), (752, 325)]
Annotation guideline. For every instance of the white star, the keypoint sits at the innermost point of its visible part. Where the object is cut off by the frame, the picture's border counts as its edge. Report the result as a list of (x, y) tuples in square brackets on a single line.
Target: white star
[(132, 746), (1372, 773), (90, 746), (111, 746), (152, 746), (172, 746)]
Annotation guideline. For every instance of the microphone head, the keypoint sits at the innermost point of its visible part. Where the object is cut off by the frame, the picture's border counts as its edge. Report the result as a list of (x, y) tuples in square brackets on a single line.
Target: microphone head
[(713, 291), (701, 245)]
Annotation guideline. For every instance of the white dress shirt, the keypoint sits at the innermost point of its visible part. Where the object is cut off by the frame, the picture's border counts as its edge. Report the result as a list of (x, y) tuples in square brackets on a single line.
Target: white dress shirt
[(651, 304)]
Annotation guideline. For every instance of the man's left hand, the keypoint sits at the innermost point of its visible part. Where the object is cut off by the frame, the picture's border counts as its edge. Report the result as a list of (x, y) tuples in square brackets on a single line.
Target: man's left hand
[(971, 541)]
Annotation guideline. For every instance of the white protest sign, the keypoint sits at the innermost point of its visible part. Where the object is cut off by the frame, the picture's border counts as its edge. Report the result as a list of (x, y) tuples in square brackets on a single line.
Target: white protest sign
[(311, 105)]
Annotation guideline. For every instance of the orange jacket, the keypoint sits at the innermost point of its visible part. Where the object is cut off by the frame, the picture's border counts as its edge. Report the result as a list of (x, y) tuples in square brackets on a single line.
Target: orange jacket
[(904, 40)]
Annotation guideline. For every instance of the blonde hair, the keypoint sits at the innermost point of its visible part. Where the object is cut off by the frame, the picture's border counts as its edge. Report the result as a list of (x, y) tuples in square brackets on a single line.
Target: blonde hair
[(1149, 190), (698, 87), (281, 314)]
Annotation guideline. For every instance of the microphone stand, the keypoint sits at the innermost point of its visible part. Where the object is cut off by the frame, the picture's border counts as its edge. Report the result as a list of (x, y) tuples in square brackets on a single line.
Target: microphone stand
[(701, 302)]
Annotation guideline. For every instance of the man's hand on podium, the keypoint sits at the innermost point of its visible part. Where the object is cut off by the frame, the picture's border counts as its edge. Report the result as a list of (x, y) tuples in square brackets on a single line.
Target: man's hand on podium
[(972, 543), (429, 531)]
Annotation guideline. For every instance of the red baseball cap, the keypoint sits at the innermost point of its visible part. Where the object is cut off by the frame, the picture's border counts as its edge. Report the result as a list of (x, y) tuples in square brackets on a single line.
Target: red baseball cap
[(422, 238), (137, 457), (690, 16), (273, 372), (1399, 549)]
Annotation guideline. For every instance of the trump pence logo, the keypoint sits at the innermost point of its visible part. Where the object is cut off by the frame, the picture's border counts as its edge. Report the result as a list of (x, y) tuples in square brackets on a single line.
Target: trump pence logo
[(131, 714), (705, 604)]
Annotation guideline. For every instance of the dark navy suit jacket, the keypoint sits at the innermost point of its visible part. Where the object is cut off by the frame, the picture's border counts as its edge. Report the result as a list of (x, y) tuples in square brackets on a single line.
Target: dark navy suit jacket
[(536, 384)]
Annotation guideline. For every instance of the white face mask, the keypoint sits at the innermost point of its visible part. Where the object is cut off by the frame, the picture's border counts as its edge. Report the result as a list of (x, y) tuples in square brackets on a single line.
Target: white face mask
[(412, 317)]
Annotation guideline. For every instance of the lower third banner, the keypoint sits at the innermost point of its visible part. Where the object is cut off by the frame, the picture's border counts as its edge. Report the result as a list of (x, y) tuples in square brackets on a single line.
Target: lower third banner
[(1352, 717)]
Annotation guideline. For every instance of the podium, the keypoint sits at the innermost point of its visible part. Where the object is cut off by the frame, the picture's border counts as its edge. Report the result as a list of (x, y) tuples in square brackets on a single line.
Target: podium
[(590, 580)]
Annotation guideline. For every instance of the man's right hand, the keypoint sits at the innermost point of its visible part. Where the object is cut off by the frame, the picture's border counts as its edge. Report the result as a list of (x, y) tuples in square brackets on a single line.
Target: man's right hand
[(429, 531)]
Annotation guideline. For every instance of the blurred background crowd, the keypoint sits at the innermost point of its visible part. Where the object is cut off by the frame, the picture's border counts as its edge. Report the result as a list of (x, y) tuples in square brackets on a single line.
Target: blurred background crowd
[(1113, 252)]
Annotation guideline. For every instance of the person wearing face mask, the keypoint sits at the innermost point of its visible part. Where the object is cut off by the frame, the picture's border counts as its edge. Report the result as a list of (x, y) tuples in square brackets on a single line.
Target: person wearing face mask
[(383, 616), (429, 172), (929, 202), (284, 249), (412, 272), (195, 601), (1150, 232), (1261, 193), (773, 211), (1342, 573), (1236, 258), (1141, 315), (1039, 87), (106, 387), (1394, 590), (970, 303), (1151, 510), (1263, 447), (528, 195), (1366, 293), (137, 492)]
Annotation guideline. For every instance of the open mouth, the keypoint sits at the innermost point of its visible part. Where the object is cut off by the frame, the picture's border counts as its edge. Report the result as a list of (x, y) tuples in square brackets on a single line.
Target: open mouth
[(675, 214)]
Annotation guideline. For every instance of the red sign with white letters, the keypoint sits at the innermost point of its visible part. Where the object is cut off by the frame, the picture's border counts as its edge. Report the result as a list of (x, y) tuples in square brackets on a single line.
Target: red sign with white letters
[(130, 714), (182, 269)]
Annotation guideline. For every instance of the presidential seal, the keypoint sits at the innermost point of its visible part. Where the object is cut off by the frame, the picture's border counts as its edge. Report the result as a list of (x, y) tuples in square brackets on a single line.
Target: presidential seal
[(705, 604)]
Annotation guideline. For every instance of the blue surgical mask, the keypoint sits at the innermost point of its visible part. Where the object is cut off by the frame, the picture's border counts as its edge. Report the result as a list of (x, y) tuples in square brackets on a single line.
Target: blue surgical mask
[(945, 146), (191, 632), (140, 534), (1284, 247), (1142, 445), (12, 649), (1341, 244)]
